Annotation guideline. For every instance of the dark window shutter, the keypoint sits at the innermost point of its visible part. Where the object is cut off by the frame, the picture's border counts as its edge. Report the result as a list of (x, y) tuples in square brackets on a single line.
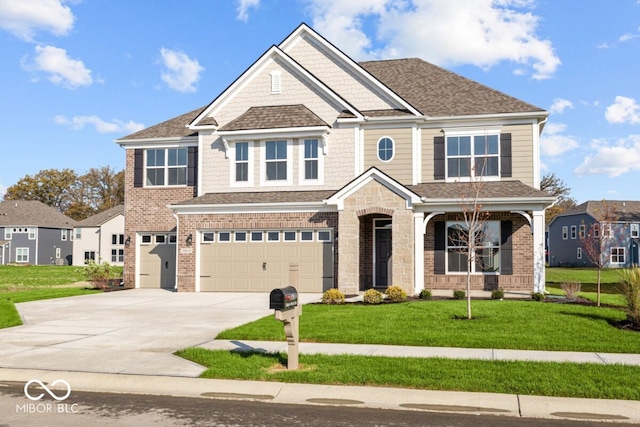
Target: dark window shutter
[(438, 158), (192, 166), (138, 167), (440, 253), (506, 251), (505, 155)]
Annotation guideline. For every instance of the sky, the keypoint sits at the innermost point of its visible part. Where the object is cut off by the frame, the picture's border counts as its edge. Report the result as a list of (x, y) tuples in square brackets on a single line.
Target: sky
[(75, 75)]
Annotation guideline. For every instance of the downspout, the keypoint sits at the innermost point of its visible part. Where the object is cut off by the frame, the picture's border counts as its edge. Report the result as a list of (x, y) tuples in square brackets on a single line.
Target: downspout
[(175, 286)]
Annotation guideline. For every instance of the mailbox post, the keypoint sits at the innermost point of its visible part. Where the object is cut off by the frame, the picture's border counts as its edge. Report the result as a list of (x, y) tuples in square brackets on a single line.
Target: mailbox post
[(285, 303)]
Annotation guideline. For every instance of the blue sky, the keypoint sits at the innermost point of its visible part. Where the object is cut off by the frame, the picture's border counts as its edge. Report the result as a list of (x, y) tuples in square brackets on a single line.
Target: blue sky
[(76, 75)]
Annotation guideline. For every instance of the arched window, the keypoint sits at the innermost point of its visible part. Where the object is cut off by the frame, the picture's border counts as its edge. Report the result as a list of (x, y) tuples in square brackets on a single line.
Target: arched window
[(385, 149)]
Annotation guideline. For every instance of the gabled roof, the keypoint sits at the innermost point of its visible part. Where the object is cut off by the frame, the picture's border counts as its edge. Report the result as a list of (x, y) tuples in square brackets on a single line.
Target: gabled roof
[(275, 117), (623, 210), (437, 92), (31, 213), (100, 218)]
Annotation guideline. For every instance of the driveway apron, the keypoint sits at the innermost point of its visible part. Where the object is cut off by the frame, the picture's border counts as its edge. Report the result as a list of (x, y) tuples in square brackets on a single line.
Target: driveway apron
[(133, 331)]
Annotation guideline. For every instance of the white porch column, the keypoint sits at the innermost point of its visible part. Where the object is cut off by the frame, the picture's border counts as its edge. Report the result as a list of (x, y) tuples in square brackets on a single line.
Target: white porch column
[(538, 251), (418, 257)]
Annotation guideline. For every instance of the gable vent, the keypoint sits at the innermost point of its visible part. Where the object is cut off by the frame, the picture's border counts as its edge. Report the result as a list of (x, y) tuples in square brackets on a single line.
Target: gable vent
[(276, 81)]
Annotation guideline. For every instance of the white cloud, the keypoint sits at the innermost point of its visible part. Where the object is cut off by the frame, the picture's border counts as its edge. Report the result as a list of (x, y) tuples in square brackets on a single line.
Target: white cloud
[(243, 8), (101, 126), (553, 143), (612, 159), (623, 110), (477, 32), (559, 105), (24, 18), (61, 70), (181, 73), (3, 191)]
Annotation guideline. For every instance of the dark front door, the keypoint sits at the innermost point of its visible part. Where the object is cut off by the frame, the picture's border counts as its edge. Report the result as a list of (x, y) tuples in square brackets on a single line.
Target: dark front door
[(383, 253)]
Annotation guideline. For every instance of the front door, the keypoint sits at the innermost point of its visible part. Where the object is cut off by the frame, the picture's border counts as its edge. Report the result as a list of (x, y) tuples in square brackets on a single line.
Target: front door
[(382, 264)]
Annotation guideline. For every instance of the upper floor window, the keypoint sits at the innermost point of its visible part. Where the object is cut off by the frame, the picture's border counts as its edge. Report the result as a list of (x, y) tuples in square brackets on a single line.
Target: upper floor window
[(565, 232), (78, 233), (311, 159), (166, 166), (573, 232), (63, 235), (581, 232), (276, 160), (385, 149), (635, 230), (7, 233), (117, 239), (242, 162), (471, 156)]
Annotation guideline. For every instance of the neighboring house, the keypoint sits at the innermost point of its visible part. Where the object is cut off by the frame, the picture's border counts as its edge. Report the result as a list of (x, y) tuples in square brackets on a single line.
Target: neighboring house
[(313, 170), (620, 239), (100, 238), (34, 233)]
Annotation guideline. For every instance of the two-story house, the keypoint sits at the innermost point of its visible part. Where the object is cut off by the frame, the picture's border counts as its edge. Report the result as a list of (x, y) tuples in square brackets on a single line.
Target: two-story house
[(100, 238), (34, 233), (314, 170), (613, 223)]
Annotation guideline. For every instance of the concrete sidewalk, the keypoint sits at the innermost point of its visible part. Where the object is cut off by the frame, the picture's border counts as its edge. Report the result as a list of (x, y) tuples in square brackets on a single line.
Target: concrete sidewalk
[(516, 406)]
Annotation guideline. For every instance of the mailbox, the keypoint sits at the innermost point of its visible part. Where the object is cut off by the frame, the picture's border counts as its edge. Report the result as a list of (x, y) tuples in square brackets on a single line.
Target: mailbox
[(283, 298)]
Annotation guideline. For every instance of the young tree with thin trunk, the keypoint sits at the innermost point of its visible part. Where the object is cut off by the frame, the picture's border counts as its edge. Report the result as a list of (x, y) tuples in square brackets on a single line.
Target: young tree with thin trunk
[(595, 239)]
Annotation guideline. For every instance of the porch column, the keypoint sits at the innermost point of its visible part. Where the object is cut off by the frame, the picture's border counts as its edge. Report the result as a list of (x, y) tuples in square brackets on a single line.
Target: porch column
[(418, 257), (538, 251)]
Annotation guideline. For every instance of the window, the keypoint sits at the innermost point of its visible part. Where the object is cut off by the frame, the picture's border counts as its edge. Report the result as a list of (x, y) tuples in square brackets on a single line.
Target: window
[(466, 159), (487, 251), (117, 255), (606, 229), (596, 231), (22, 255), (276, 160), (63, 235), (146, 239), (161, 238), (573, 232), (565, 232), (617, 255), (306, 236), (89, 256), (207, 237), (224, 236), (273, 236), (7, 233), (257, 236), (240, 236), (173, 239), (581, 231), (166, 166), (78, 232), (324, 236), (242, 161), (385, 149), (310, 159), (58, 253), (117, 239), (579, 253), (289, 236), (32, 233), (635, 230)]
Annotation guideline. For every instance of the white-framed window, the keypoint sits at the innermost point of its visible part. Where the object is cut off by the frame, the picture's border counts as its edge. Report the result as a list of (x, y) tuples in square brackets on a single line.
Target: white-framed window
[(89, 256), (306, 236), (311, 162), (166, 167), (117, 255), (208, 237), (276, 81), (32, 233), (473, 154), (173, 239), (242, 170), (565, 232), (276, 162), (289, 236), (224, 236), (324, 236), (273, 236), (579, 253), (635, 230), (606, 229), (574, 231), (63, 235), (145, 239), (582, 231), (596, 231), (239, 236), (78, 233), (617, 255), (386, 149), (257, 236), (58, 253), (7, 233), (487, 251), (117, 239), (160, 238), (22, 255)]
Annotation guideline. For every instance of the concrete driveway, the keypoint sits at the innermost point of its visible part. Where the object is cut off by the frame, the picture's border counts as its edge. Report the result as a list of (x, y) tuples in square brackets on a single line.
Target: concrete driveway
[(133, 331)]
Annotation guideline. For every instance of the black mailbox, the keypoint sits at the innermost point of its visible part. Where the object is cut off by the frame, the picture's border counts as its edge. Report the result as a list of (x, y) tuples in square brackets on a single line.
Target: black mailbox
[(283, 298)]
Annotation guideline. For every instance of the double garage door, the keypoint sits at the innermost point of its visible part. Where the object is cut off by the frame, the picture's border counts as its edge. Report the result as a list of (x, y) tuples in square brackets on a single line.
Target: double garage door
[(261, 260)]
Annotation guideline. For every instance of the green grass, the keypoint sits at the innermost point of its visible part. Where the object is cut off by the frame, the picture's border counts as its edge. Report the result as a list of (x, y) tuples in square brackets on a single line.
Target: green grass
[(609, 283), (508, 324), (526, 378)]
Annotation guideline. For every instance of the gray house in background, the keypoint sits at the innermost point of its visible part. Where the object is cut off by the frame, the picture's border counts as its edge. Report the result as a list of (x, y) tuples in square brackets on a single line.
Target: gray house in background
[(34, 233), (622, 235)]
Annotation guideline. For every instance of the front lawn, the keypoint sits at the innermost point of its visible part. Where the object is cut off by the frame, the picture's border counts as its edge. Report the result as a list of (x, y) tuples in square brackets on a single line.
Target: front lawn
[(508, 324), (587, 277)]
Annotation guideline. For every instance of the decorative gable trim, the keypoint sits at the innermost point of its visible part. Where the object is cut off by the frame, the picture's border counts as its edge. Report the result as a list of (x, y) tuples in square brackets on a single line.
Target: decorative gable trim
[(373, 174)]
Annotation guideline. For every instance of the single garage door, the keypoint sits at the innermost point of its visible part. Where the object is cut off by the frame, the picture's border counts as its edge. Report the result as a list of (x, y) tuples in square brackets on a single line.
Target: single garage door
[(261, 260), (157, 261)]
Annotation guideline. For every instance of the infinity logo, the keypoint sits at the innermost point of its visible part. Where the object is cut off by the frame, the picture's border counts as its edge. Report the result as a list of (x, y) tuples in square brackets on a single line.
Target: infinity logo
[(47, 389)]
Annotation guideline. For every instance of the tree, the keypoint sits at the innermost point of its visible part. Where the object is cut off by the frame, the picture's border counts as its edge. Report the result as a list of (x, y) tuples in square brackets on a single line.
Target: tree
[(105, 187), (594, 238), (49, 186), (553, 185)]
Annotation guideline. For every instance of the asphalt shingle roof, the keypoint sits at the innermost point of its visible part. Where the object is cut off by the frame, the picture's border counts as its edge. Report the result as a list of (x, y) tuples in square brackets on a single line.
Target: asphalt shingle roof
[(489, 190), (32, 213), (623, 210), (100, 218), (259, 197), (175, 127), (275, 117)]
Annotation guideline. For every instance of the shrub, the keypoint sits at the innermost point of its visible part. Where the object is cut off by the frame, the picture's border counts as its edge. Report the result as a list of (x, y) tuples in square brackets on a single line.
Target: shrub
[(100, 275), (630, 287), (425, 294), (396, 293), (537, 296), (570, 289), (372, 296), (497, 294), (333, 296), (459, 294)]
